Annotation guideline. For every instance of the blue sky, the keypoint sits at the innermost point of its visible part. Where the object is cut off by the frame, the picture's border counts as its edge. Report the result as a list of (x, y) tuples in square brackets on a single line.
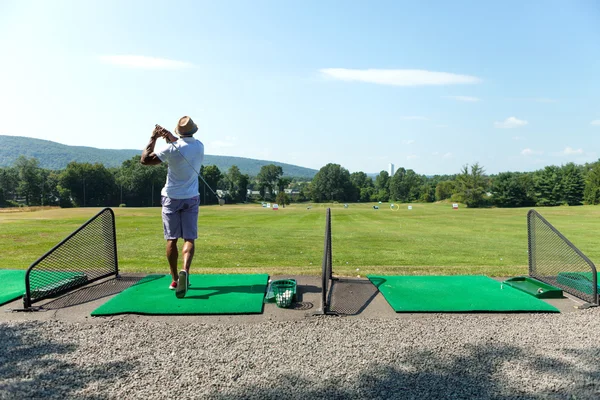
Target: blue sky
[(425, 85)]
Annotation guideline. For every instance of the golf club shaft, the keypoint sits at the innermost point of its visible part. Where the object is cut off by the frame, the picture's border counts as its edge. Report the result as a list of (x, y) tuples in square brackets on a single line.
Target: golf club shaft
[(197, 173)]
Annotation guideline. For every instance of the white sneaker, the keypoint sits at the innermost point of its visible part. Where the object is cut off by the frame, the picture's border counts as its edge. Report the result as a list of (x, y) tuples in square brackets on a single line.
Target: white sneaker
[(182, 285)]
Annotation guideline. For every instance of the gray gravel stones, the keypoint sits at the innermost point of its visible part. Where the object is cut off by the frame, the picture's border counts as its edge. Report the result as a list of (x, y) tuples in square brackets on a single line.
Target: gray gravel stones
[(436, 356)]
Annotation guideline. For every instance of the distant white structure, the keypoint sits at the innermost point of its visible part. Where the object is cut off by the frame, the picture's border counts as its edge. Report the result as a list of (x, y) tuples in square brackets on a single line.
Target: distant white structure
[(391, 169)]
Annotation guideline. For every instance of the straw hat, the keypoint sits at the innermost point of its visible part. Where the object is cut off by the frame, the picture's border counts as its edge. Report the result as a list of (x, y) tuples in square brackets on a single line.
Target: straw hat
[(186, 127)]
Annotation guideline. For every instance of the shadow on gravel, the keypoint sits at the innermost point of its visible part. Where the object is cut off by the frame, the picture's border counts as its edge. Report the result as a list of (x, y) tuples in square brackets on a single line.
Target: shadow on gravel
[(92, 292), (30, 367), (484, 372)]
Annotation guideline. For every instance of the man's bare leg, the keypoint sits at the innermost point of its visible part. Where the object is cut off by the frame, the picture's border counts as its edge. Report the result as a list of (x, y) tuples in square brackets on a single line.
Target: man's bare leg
[(188, 254), (172, 256)]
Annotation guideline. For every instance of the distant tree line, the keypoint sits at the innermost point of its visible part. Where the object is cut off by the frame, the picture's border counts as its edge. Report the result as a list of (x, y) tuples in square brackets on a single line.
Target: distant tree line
[(135, 185), (552, 186), (94, 185)]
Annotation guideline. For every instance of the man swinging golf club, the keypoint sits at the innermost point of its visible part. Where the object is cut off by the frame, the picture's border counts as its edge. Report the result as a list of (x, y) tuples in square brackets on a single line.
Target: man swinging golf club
[(180, 198)]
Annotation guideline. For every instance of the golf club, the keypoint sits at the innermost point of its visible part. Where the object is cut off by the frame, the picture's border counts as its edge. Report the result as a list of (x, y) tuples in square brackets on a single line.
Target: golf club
[(164, 133)]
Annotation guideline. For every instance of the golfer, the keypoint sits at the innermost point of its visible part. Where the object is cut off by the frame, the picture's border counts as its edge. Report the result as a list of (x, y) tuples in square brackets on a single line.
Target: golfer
[(180, 198)]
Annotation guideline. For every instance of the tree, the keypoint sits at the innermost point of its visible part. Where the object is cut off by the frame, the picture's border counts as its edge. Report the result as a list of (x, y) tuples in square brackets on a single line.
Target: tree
[(427, 192), (282, 198), (89, 185), (332, 183), (9, 180), (512, 189), (472, 186), (405, 186), (382, 189), (573, 184), (30, 180), (237, 184), (212, 175), (367, 194), (267, 178), (592, 184), (139, 185), (548, 186), (50, 195), (283, 183), (242, 184), (361, 180), (444, 190)]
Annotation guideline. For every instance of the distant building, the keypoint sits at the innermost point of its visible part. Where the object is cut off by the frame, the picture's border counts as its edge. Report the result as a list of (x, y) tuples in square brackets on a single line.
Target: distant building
[(391, 169)]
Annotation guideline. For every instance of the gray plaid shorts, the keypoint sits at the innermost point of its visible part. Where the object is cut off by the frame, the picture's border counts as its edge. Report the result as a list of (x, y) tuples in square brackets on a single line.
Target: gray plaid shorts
[(180, 217)]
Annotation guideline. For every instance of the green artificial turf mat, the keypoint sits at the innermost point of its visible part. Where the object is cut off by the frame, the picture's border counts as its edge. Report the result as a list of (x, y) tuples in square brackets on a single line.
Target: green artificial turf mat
[(208, 294), (12, 285), (457, 293)]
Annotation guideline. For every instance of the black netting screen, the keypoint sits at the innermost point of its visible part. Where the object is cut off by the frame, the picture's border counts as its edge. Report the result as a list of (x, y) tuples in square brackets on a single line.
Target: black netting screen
[(86, 255), (555, 260), (326, 273)]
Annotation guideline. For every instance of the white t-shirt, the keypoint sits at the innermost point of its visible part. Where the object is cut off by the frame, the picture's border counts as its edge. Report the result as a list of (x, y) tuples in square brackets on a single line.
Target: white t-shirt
[(182, 180)]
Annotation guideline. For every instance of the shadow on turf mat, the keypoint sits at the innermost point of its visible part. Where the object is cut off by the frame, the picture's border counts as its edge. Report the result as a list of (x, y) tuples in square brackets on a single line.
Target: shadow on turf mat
[(219, 290), (93, 292)]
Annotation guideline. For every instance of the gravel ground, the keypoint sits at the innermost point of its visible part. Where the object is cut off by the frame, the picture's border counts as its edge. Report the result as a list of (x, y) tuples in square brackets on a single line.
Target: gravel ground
[(437, 356)]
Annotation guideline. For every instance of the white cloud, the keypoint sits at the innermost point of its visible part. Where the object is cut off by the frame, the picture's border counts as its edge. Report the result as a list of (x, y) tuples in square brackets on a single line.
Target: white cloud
[(412, 157), (529, 152), (409, 141), (569, 151), (398, 77), (464, 98), (435, 153), (596, 122), (518, 138), (510, 122), (144, 62), (447, 155), (412, 118)]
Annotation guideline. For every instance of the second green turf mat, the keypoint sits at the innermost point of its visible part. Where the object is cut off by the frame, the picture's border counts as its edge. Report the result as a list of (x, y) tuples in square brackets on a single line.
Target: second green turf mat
[(12, 285), (458, 293), (208, 294)]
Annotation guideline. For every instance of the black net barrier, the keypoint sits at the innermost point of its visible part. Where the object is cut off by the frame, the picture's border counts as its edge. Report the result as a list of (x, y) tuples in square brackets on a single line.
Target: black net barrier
[(326, 270), (555, 260), (86, 255)]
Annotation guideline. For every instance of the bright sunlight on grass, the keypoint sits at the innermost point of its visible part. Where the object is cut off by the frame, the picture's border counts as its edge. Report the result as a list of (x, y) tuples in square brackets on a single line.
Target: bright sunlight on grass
[(429, 239)]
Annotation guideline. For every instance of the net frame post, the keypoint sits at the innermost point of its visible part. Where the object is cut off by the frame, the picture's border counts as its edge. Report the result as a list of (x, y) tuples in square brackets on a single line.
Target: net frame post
[(27, 297), (326, 271), (533, 261)]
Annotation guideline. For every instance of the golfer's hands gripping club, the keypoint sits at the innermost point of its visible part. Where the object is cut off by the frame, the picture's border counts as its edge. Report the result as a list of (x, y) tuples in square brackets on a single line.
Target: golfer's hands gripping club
[(159, 131)]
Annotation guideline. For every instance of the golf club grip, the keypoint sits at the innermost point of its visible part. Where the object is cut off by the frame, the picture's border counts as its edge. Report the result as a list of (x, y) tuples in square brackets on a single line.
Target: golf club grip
[(162, 130)]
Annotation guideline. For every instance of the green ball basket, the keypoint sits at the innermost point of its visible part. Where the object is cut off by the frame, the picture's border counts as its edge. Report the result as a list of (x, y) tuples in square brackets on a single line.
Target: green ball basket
[(284, 291)]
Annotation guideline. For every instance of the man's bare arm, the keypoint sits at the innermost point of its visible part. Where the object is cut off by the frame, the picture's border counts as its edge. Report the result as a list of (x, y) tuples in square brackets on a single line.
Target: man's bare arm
[(148, 156)]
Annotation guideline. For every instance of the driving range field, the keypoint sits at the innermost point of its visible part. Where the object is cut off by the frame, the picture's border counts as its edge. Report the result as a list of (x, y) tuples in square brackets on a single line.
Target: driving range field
[(65, 351), (429, 239)]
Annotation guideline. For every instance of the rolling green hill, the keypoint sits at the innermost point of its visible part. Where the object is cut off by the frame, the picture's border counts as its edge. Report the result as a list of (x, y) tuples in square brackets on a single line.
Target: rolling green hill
[(52, 155)]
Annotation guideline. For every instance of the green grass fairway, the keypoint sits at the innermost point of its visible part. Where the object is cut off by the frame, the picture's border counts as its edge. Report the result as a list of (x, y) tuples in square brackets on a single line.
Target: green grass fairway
[(429, 239), (12, 285), (208, 294), (455, 294)]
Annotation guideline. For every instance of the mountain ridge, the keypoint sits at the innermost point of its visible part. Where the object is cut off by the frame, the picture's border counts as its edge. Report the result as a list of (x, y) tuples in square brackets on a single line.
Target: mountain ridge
[(56, 156)]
